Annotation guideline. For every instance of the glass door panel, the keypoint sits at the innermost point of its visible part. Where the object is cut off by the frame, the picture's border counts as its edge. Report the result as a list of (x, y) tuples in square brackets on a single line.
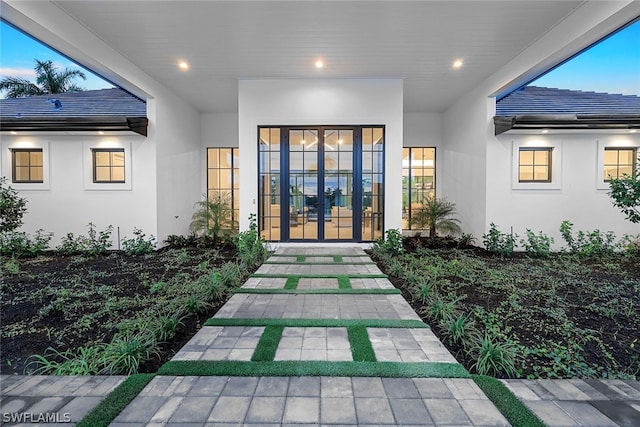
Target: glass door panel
[(303, 184)]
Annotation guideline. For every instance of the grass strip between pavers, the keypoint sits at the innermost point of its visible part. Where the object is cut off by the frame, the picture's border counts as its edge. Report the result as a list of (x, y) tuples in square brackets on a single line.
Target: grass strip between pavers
[(320, 276), (300, 258), (507, 403), (115, 402), (268, 344), (361, 349), (316, 323), (344, 282), (311, 368), (292, 282), (337, 258), (318, 291)]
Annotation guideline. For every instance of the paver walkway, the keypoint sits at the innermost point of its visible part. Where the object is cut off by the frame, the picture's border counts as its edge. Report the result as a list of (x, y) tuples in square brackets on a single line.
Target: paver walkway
[(316, 316), (312, 400)]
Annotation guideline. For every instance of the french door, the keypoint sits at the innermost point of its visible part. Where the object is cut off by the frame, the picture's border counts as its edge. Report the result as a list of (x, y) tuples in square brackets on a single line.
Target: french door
[(320, 183)]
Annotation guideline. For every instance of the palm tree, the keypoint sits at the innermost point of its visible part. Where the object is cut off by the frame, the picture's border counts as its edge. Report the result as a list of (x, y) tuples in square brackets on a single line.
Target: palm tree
[(213, 217), (48, 80), (436, 214)]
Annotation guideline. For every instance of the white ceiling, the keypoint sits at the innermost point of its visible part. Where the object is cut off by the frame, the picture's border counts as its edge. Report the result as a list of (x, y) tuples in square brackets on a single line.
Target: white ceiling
[(226, 41)]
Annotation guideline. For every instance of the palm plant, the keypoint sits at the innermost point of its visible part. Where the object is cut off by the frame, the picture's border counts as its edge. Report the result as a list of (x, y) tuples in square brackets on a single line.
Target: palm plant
[(213, 217), (48, 80), (436, 215)]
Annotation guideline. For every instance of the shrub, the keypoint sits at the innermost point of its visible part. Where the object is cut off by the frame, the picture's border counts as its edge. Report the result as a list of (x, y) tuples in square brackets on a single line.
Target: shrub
[(140, 244), (458, 329), (631, 245), (494, 357), (11, 266), (94, 243), (167, 325), (177, 241), (466, 239), (250, 246), (498, 242), (537, 245), (19, 244), (625, 193), (84, 361), (125, 353), (392, 243), (12, 207), (588, 243)]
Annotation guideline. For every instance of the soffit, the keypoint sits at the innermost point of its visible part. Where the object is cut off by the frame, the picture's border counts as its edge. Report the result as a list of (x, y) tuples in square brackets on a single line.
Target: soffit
[(227, 41)]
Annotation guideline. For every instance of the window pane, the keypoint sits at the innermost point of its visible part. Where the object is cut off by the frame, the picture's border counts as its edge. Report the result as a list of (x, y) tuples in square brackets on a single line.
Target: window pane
[(526, 157), (102, 158), (103, 174), (214, 181), (36, 158), (526, 173), (117, 159), (225, 178), (625, 170), (22, 173), (36, 173), (117, 173), (610, 172), (22, 158), (627, 157), (212, 157), (542, 173), (610, 157), (541, 157), (225, 157)]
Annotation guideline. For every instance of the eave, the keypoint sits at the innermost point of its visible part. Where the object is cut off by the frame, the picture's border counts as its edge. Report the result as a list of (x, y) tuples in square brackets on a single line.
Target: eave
[(61, 124), (566, 122)]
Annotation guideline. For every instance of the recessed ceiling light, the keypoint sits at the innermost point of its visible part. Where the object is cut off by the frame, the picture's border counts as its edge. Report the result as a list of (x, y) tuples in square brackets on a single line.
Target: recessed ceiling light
[(545, 130), (632, 131), (183, 65), (319, 64), (458, 63), (13, 132), (100, 132)]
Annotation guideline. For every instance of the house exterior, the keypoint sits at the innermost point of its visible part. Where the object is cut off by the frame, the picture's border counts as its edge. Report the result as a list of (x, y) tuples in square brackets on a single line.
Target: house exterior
[(337, 159)]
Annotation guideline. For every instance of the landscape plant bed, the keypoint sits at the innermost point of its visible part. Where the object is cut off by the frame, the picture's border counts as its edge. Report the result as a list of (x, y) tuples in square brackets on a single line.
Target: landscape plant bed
[(66, 302), (564, 316)]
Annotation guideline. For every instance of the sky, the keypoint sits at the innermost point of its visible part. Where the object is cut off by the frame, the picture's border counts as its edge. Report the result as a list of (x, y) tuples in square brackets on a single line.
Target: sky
[(611, 66)]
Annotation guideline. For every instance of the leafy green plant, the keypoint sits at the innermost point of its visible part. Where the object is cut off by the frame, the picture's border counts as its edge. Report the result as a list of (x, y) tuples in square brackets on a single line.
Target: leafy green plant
[(498, 242), (458, 329), (140, 244), (168, 325), (392, 243), (20, 244), (591, 243), (213, 217), (194, 304), (436, 215), (625, 193), (231, 275), (11, 266), (12, 207), (537, 245), (466, 239), (94, 243), (494, 357), (251, 247), (125, 353), (177, 241), (82, 361), (441, 309)]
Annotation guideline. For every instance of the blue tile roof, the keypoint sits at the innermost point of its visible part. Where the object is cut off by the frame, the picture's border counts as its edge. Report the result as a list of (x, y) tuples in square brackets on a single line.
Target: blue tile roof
[(540, 101), (90, 103)]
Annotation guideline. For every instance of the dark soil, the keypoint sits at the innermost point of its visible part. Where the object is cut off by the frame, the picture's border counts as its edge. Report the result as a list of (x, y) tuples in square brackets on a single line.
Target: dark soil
[(38, 314), (576, 316)]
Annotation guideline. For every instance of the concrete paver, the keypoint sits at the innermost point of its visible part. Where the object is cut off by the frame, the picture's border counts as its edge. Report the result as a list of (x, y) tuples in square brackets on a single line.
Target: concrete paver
[(581, 402)]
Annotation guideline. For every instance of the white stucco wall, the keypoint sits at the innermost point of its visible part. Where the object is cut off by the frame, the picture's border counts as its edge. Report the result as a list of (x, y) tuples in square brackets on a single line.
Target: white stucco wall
[(579, 193), (321, 102), (68, 200)]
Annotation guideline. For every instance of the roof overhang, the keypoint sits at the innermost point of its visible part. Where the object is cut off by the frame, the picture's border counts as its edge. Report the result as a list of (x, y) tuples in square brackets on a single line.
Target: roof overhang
[(71, 124), (583, 122)]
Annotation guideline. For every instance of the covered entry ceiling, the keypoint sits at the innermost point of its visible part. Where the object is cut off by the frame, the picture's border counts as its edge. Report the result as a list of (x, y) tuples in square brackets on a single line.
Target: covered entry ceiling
[(226, 41)]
